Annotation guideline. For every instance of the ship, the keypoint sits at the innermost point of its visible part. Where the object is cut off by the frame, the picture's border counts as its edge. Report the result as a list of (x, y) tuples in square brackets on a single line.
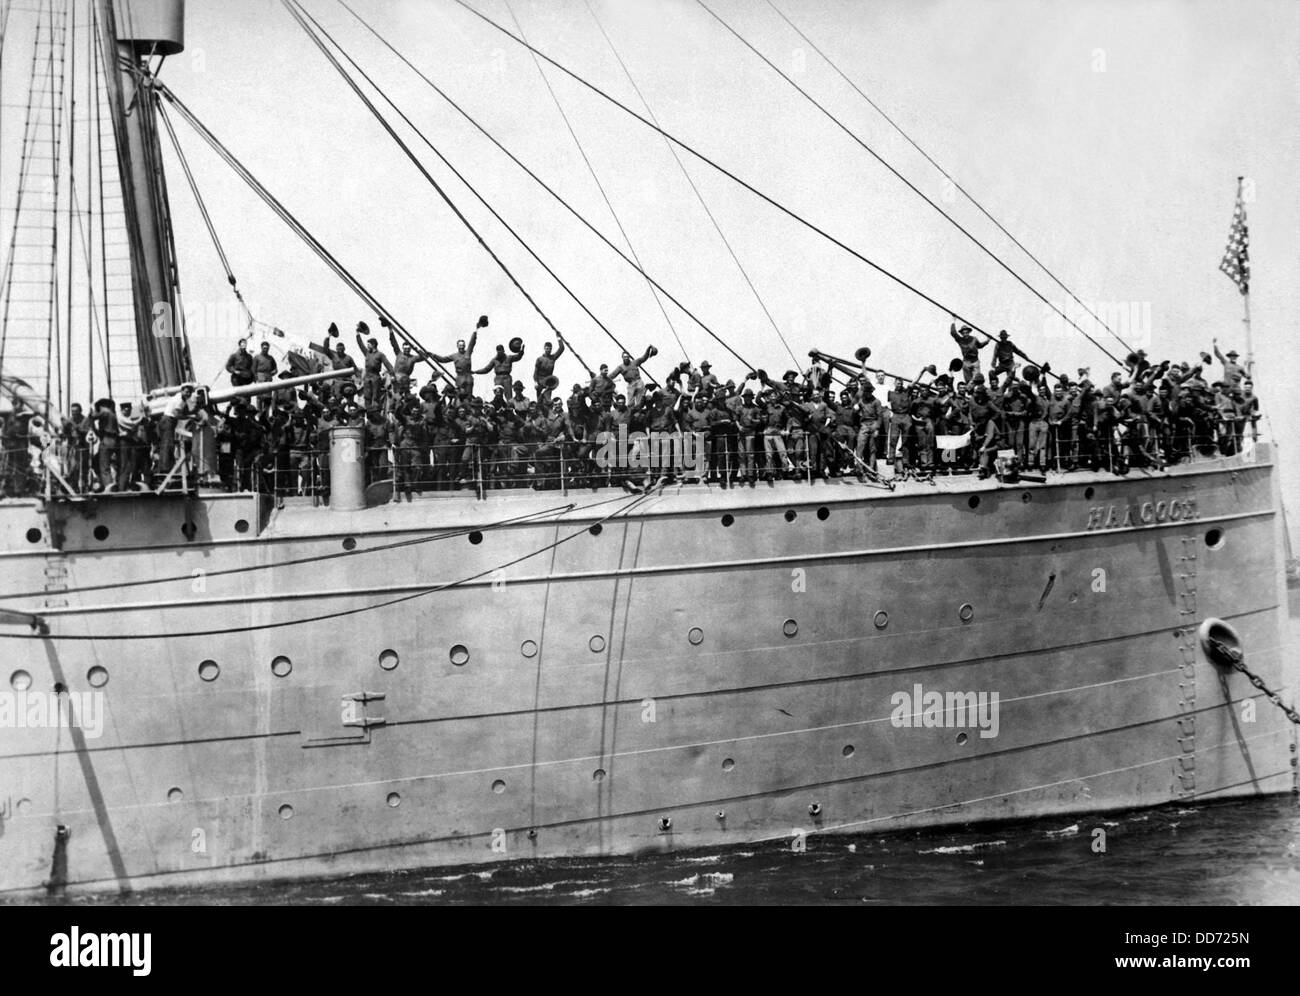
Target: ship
[(259, 689)]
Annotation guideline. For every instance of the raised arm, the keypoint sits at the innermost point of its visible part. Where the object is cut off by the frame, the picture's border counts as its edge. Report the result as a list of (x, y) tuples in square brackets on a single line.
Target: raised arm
[(645, 356), (559, 349)]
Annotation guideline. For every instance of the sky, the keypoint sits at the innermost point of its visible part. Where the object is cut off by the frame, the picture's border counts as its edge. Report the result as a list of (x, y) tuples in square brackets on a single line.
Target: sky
[(1107, 137)]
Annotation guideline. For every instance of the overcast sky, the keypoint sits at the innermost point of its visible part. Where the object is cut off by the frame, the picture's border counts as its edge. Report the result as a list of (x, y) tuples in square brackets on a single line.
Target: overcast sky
[(1106, 136)]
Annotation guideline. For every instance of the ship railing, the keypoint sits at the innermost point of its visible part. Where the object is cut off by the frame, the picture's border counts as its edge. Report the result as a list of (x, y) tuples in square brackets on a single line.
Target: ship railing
[(61, 468)]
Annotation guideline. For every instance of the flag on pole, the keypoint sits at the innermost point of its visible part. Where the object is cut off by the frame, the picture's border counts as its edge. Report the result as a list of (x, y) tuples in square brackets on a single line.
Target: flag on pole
[(1236, 258)]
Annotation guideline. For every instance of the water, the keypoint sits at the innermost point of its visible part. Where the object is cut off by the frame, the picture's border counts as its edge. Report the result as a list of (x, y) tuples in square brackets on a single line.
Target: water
[(1242, 852)]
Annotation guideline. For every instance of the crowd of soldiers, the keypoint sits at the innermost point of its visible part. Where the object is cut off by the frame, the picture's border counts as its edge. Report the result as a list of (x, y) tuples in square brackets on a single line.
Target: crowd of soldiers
[(829, 420)]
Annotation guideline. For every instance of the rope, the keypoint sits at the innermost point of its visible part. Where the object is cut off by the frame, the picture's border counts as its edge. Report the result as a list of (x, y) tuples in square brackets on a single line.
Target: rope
[(698, 195), (542, 183), (766, 198), (301, 17), (261, 627), (473, 190), (203, 210), (908, 183), (599, 186), (296, 226), (946, 175)]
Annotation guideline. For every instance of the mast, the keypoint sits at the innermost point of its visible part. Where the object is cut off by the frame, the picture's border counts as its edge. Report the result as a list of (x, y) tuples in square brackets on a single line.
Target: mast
[(132, 32)]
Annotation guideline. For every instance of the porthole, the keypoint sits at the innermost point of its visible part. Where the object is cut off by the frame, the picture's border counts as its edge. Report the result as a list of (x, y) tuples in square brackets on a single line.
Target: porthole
[(208, 670), (459, 655), (961, 739), (814, 809), (476, 537), (97, 677), (882, 619), (349, 544), (973, 501), (966, 613), (388, 659), (848, 750), (498, 786), (790, 515), (394, 800), (189, 530), (696, 636), (665, 823), (23, 807), (823, 513), (596, 529), (281, 666), (790, 627), (598, 775), (1089, 492), (175, 794), (728, 519), (20, 681), (728, 764), (286, 812), (241, 525), (596, 643), (1026, 497), (528, 648), (33, 535), (1214, 539), (100, 533)]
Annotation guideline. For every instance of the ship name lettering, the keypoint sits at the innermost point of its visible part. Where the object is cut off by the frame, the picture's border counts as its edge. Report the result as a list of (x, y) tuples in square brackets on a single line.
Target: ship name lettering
[(1146, 514)]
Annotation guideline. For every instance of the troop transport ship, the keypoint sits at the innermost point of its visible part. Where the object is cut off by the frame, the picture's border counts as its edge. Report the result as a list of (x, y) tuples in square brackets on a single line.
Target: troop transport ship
[(303, 690)]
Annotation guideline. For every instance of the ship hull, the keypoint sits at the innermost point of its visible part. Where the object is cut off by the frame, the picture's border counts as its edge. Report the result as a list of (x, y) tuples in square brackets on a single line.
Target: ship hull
[(309, 692)]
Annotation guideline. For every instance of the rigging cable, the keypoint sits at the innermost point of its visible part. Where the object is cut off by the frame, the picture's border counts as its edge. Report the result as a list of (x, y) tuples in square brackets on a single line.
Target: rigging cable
[(906, 182), (543, 184), (555, 99), (698, 195), (343, 613), (946, 175), (298, 228), (203, 210), (293, 9), (766, 198), (481, 199)]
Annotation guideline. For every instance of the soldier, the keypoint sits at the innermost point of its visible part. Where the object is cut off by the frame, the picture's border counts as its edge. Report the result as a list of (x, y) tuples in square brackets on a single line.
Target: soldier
[(462, 360), (1233, 372), (408, 441), (1004, 358), (602, 385), (132, 432), (404, 361), (75, 428), (631, 372), (872, 416), (900, 406), (543, 368), (1060, 429), (373, 363), (240, 365), (501, 365), (708, 380), (970, 349)]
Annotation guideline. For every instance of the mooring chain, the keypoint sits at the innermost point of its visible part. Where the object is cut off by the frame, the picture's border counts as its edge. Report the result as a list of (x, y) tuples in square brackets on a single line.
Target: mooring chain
[(1237, 659)]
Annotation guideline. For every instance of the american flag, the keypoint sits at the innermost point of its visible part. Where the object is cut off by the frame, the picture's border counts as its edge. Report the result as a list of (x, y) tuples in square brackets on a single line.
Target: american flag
[(1236, 258)]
